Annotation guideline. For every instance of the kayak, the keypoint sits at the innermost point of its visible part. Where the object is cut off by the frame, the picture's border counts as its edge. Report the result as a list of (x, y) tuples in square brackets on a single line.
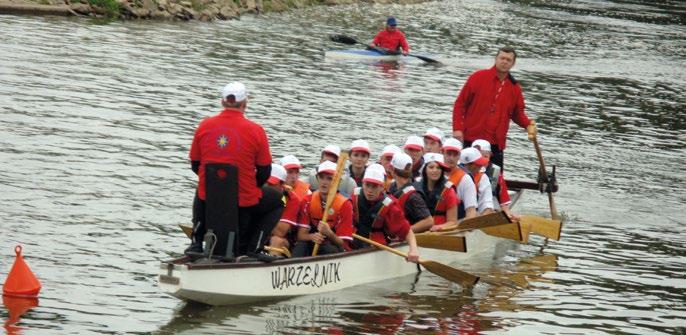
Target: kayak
[(360, 54)]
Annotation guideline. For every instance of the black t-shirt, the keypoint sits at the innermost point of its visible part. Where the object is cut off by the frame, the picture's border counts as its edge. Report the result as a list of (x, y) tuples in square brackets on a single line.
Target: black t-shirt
[(415, 206)]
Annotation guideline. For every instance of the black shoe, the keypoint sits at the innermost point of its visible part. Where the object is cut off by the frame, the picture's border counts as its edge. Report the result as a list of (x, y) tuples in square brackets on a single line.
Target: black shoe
[(195, 248), (266, 257)]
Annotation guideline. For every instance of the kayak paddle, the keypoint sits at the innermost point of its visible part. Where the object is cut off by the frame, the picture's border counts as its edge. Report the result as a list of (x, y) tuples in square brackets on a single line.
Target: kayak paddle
[(339, 38)]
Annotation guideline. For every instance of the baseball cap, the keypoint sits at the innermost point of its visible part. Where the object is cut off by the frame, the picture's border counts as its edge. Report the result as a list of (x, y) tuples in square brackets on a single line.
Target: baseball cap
[(434, 134), (482, 145), (332, 149), (375, 174), (472, 155), (327, 167), (390, 150), (452, 144), (391, 21), (434, 157), (278, 174), (290, 162), (360, 145), (414, 142), (236, 89), (401, 160)]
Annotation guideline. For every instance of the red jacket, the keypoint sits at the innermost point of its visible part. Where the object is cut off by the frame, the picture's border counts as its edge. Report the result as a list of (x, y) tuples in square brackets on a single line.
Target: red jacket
[(391, 40), (486, 105)]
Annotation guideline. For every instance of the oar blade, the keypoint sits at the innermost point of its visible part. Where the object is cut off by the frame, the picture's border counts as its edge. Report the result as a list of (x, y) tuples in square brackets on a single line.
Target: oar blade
[(484, 221), (551, 229), (338, 38), (510, 231), (426, 59), (442, 242), (452, 274), (188, 230)]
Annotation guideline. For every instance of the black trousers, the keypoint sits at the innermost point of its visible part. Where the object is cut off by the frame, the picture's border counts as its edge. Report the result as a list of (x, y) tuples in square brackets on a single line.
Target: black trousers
[(255, 223), (497, 156)]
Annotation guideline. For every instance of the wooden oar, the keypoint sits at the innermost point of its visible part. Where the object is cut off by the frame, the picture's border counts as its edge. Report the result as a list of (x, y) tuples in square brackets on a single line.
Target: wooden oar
[(442, 242), (553, 208), (188, 230), (440, 269), (541, 226), (338, 38), (528, 185), (333, 190)]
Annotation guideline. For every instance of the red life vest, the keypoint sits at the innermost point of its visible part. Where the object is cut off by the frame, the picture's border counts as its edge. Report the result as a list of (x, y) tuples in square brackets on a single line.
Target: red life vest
[(372, 224), (440, 212), (407, 191), (316, 211)]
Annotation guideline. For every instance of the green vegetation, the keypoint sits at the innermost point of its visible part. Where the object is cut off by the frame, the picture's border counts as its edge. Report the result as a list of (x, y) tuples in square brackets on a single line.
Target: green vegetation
[(197, 5), (111, 7)]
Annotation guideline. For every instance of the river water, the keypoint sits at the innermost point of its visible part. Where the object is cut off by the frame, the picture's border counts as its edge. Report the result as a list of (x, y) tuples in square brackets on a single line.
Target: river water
[(97, 119)]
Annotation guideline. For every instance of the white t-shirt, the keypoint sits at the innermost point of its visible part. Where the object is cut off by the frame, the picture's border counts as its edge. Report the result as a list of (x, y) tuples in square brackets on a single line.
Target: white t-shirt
[(485, 194), (466, 191)]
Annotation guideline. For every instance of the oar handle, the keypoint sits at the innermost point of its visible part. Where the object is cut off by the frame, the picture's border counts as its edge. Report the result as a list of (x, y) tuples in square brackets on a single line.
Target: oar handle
[(380, 246), (544, 173)]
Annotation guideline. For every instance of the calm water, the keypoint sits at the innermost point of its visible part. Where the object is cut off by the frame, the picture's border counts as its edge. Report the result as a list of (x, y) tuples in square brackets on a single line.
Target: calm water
[(96, 121)]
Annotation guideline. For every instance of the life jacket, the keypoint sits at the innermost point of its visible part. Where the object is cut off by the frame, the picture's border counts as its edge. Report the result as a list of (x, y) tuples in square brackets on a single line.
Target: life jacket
[(438, 208), (457, 175), (371, 223), (493, 173), (404, 194), (316, 211), (301, 188)]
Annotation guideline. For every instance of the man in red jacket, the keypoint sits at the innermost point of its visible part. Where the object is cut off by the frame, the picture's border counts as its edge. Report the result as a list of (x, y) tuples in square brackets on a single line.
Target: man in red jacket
[(487, 102), (391, 39)]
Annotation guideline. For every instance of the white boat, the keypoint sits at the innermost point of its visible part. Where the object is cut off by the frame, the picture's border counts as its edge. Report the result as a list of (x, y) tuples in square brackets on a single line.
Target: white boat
[(238, 283), (359, 54)]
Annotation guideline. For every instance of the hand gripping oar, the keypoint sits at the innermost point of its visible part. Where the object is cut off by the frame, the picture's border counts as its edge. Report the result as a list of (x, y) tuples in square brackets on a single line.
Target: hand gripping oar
[(338, 38), (333, 190), (553, 208), (440, 269)]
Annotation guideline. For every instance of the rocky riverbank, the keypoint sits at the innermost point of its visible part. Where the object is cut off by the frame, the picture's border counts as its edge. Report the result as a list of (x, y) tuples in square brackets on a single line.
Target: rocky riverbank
[(205, 10)]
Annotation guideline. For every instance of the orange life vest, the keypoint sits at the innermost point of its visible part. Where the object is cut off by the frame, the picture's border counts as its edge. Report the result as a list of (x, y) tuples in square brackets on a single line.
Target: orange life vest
[(301, 188), (316, 211)]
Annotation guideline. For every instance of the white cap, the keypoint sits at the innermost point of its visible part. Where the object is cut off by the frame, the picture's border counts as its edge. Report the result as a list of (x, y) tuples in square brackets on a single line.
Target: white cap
[(401, 160), (360, 145), (236, 89), (434, 134), (390, 150), (414, 142), (375, 174), (482, 145), (327, 167), (472, 155), (290, 162), (278, 174), (434, 157), (452, 144), (332, 149)]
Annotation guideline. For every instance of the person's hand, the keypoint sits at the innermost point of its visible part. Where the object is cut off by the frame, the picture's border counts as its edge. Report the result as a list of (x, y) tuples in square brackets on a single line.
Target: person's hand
[(513, 217), (412, 256), (405, 53), (324, 229), (436, 227), (458, 135), (317, 238), (531, 130), (371, 46)]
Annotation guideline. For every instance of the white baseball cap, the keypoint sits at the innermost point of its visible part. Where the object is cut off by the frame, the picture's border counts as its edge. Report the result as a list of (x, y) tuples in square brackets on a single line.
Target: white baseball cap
[(290, 162), (434, 157), (390, 150), (434, 134), (414, 142), (452, 144), (236, 89), (472, 155), (482, 145), (332, 149), (278, 174), (327, 167), (375, 174), (401, 160), (360, 145)]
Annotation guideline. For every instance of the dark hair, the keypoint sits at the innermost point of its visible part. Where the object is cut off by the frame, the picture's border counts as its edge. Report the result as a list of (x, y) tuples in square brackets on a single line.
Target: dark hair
[(405, 173), (508, 50), (425, 177)]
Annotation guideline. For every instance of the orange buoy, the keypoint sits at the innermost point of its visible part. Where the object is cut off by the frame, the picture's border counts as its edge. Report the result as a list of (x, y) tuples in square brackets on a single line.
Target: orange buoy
[(21, 282)]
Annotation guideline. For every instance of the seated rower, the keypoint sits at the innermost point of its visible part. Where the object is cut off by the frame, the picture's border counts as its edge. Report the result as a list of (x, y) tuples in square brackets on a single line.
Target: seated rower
[(331, 153), (414, 147), (386, 157), (437, 192), (291, 202), (413, 205), (359, 157), (471, 162), (451, 152), (334, 235), (461, 180), (292, 166), (433, 140), (378, 216), (496, 178)]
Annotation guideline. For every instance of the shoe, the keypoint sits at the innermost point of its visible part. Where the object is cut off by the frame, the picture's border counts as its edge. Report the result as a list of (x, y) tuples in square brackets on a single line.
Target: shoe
[(194, 248), (266, 257)]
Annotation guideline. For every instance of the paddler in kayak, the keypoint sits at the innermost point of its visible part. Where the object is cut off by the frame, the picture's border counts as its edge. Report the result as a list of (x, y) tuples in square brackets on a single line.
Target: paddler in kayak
[(391, 39)]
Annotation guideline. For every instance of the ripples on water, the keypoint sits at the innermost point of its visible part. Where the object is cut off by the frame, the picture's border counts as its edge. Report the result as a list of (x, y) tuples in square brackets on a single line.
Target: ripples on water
[(97, 121)]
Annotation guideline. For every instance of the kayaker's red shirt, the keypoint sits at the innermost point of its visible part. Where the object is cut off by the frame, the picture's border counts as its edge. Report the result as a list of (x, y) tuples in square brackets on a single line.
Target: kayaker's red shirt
[(485, 106), (229, 137), (391, 40)]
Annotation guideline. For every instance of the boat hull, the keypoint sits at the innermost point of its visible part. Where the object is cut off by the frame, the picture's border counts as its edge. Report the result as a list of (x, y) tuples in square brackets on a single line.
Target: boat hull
[(239, 283), (358, 54)]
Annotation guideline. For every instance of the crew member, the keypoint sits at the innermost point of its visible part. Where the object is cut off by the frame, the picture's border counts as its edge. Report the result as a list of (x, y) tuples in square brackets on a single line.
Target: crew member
[(331, 153), (293, 166), (413, 205), (433, 140), (414, 147), (438, 194), (281, 234), (472, 163), (359, 157), (496, 178)]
